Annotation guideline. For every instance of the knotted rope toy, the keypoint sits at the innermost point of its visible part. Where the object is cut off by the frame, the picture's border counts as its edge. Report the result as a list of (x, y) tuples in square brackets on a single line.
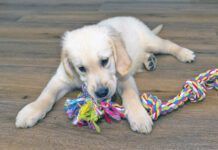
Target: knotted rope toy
[(85, 110)]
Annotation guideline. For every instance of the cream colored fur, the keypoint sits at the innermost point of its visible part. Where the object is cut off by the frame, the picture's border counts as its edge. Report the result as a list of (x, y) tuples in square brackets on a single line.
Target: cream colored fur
[(126, 42)]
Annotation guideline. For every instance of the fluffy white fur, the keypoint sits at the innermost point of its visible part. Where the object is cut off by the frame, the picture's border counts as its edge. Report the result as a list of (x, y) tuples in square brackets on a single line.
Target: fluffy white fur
[(126, 42)]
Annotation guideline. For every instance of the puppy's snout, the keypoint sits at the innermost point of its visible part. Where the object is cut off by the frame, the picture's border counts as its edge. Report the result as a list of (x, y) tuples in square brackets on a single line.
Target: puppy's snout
[(102, 92)]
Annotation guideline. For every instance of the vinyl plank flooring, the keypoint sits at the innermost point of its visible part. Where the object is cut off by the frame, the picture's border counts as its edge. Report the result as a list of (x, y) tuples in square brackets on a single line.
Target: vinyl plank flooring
[(30, 34)]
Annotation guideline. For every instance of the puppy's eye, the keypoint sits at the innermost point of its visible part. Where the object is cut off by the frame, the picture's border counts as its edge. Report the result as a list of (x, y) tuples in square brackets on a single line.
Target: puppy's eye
[(104, 62), (82, 69)]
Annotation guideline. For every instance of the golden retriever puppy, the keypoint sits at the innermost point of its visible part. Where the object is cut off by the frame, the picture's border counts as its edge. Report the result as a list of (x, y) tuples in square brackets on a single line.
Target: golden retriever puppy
[(105, 56)]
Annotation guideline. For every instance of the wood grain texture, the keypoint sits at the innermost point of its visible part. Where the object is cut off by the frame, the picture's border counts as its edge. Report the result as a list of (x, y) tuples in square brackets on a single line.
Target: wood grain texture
[(30, 33)]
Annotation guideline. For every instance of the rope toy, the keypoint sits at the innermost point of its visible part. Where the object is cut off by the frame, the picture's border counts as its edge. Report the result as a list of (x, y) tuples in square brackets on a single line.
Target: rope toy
[(86, 111)]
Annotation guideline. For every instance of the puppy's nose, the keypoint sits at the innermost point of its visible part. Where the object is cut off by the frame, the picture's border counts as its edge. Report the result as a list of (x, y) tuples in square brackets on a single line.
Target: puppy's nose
[(101, 92)]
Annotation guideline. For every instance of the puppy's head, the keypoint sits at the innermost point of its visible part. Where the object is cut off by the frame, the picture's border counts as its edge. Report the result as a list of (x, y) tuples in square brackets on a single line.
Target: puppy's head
[(97, 54)]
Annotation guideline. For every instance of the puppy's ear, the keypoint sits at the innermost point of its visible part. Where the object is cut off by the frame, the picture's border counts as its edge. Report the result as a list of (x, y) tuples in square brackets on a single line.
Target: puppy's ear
[(121, 57), (67, 64)]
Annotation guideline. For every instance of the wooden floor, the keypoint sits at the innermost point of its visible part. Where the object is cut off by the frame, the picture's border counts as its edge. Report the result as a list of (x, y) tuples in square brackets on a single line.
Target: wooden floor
[(30, 32)]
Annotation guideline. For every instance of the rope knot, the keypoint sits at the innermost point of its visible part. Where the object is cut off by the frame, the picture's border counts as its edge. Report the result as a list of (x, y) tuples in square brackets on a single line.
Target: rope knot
[(152, 104), (195, 89)]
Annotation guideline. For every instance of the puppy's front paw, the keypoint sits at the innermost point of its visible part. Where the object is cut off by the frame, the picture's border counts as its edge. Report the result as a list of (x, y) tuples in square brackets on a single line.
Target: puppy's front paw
[(186, 55), (28, 116), (139, 120)]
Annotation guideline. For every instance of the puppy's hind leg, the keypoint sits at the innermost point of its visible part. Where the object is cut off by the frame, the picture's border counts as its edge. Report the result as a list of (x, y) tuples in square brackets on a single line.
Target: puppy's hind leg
[(150, 62), (159, 45)]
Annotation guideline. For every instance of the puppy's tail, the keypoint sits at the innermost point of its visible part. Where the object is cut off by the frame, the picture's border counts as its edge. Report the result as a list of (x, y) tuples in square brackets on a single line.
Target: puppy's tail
[(157, 29)]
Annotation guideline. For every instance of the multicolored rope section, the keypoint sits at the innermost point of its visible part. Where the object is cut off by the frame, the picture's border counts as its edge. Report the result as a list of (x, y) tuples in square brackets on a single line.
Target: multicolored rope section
[(85, 110)]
